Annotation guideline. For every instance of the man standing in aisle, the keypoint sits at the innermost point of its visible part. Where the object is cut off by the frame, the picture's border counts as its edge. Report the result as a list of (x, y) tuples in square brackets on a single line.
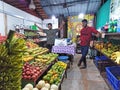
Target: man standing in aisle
[(85, 38), (51, 34)]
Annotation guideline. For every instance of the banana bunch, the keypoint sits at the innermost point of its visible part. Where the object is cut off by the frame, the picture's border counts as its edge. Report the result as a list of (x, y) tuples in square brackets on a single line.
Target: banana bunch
[(3, 50), (116, 56), (16, 46), (11, 63), (11, 70), (3, 55)]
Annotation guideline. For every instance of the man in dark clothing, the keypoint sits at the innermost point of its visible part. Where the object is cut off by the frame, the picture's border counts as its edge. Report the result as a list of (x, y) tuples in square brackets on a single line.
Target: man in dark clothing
[(85, 38), (51, 34)]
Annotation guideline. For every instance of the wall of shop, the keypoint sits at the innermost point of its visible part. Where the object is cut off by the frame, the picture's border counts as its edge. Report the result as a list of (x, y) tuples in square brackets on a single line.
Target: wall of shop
[(11, 16), (2, 28), (103, 15), (75, 25)]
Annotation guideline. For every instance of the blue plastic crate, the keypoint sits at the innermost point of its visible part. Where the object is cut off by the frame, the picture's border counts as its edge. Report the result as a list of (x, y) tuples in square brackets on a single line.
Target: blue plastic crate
[(63, 58), (112, 73), (100, 59)]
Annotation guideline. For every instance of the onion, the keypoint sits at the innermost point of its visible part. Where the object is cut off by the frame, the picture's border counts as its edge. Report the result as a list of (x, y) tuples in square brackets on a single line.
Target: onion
[(32, 72), (37, 68), (25, 76), (29, 77), (28, 72), (33, 77), (27, 69), (23, 73)]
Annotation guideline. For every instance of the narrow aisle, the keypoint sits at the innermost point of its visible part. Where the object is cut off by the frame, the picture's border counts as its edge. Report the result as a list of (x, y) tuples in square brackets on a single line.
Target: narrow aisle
[(84, 79)]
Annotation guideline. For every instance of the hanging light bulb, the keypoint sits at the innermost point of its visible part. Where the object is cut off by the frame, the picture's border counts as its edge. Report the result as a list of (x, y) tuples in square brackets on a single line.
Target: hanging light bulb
[(31, 5), (81, 16)]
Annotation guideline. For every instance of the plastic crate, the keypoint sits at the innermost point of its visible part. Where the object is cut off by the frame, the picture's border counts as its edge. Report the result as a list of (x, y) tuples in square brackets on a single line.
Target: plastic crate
[(63, 58), (112, 73), (101, 62), (100, 59)]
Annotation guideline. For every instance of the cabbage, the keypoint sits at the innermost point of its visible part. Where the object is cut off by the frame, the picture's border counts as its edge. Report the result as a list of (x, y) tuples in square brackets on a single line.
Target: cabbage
[(54, 87), (44, 88), (25, 88), (41, 83), (35, 89), (47, 85), (29, 85)]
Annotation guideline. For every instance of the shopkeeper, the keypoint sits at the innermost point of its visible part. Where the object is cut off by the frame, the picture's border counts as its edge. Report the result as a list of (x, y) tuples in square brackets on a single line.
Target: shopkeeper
[(85, 38), (51, 34)]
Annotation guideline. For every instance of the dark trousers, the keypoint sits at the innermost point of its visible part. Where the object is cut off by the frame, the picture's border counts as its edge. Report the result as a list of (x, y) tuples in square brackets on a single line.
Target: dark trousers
[(84, 51), (49, 46)]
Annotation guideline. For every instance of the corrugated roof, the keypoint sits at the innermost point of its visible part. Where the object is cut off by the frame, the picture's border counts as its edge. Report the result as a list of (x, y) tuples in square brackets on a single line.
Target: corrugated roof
[(70, 7), (47, 8)]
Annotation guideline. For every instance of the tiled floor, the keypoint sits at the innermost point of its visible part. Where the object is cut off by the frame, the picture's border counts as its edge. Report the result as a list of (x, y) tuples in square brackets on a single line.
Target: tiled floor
[(84, 79)]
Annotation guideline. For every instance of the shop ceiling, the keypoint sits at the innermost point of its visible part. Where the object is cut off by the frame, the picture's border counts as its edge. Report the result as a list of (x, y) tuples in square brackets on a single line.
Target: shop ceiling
[(46, 8)]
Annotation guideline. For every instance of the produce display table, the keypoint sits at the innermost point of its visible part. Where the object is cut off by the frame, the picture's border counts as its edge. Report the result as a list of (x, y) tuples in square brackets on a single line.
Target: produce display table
[(112, 62), (63, 76), (69, 49), (33, 82), (104, 74)]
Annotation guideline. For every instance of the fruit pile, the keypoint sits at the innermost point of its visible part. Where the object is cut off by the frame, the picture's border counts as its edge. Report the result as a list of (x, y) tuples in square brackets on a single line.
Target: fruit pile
[(29, 34), (46, 58), (33, 52), (54, 75), (37, 51), (50, 80), (41, 65), (116, 57), (11, 63), (110, 50), (30, 44), (31, 72), (2, 39), (99, 45), (41, 86)]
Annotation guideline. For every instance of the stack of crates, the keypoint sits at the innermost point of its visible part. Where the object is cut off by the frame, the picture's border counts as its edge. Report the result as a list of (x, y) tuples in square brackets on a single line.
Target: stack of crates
[(113, 76), (101, 62)]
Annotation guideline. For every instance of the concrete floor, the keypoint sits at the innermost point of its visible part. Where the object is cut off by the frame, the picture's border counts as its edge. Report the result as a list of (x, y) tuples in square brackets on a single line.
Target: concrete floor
[(83, 79)]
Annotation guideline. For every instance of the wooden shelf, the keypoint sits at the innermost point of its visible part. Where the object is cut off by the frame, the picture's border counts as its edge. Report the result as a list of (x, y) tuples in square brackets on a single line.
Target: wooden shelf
[(34, 82), (107, 57)]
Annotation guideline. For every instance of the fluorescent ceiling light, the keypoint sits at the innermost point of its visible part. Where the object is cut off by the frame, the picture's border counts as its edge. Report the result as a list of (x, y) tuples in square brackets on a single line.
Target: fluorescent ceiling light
[(31, 5), (19, 16), (81, 15)]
